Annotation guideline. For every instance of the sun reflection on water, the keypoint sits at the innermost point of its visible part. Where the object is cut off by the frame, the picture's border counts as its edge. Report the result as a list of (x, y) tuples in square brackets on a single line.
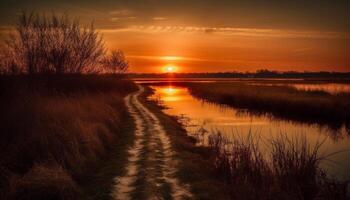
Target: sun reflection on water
[(170, 93)]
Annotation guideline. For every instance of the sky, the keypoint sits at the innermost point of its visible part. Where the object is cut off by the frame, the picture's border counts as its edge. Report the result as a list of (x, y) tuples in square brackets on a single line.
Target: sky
[(211, 36)]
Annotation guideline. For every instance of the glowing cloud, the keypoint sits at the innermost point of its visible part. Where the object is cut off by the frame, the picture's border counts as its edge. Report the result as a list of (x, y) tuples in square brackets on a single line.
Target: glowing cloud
[(171, 58)]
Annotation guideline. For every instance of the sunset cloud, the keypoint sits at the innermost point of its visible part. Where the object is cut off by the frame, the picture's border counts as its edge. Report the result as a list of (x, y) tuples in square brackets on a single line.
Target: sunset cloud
[(231, 31), (241, 35), (159, 18), (167, 58), (122, 12)]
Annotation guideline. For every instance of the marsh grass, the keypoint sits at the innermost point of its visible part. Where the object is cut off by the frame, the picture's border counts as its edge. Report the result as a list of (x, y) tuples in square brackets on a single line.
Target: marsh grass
[(281, 101), (290, 170), (55, 131)]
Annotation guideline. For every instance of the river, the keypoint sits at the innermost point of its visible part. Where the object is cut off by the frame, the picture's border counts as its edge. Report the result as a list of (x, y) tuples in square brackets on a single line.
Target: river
[(202, 117)]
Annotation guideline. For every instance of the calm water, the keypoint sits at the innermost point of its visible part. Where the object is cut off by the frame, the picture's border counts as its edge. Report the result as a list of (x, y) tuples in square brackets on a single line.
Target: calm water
[(211, 117), (332, 88)]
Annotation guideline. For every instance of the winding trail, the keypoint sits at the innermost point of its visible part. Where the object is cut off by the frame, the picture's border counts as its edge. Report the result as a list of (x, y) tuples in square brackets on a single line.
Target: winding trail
[(152, 166)]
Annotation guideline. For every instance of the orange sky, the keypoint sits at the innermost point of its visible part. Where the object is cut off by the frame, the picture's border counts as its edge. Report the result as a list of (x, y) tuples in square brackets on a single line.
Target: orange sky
[(212, 36), (202, 49)]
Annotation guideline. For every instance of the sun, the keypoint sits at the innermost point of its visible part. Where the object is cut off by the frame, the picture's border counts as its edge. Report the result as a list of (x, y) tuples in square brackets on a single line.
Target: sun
[(170, 69)]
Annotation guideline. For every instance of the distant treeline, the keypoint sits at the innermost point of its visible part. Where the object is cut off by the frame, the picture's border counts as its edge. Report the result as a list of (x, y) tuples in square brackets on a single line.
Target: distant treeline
[(258, 74)]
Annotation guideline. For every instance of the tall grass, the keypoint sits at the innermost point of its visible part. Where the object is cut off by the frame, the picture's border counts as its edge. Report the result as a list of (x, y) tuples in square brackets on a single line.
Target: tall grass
[(55, 130), (290, 170)]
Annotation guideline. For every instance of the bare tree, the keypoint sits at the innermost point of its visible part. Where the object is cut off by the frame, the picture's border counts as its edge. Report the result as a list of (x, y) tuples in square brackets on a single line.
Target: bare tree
[(54, 44), (115, 63)]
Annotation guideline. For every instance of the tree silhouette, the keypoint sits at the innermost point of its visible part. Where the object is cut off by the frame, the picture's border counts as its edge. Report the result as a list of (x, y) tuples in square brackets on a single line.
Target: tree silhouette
[(115, 62), (57, 44)]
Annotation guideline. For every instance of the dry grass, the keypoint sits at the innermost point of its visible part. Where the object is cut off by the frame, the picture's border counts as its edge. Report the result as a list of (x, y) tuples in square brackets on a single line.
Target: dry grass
[(55, 130), (44, 181), (291, 170)]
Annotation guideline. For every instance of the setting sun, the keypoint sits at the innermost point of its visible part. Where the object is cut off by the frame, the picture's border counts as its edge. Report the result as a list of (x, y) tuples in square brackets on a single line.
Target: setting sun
[(170, 69)]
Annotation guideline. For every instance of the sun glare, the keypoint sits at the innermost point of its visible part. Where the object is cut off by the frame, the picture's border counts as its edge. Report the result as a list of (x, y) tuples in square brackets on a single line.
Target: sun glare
[(170, 69), (171, 58), (170, 91)]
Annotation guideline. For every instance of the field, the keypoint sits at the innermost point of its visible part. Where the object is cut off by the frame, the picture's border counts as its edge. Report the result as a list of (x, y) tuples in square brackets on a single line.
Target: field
[(56, 130)]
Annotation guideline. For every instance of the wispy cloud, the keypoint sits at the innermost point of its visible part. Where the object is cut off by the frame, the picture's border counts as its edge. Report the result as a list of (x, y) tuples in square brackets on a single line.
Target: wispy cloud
[(195, 59), (167, 58), (231, 31), (159, 18), (121, 12), (113, 19)]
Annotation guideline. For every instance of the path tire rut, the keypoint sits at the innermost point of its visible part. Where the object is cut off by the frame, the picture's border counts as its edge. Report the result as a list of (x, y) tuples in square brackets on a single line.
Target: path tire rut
[(150, 172)]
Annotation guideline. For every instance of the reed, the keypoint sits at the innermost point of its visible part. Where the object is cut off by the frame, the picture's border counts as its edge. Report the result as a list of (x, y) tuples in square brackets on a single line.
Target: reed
[(290, 170)]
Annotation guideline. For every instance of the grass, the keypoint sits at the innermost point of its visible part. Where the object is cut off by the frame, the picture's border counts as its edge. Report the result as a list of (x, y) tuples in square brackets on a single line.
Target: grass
[(55, 132), (98, 186), (281, 101), (291, 170)]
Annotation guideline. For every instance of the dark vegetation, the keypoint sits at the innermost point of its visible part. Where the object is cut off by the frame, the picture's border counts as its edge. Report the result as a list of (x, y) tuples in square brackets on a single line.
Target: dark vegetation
[(258, 74), (55, 130), (282, 101), (57, 45), (291, 170)]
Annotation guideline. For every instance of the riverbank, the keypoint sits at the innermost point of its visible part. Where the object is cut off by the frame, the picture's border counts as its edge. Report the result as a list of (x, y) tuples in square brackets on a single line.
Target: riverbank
[(242, 170), (57, 131), (280, 101), (194, 161)]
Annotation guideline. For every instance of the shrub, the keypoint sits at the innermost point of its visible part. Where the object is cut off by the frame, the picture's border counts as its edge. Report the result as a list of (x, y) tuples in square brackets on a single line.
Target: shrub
[(44, 181)]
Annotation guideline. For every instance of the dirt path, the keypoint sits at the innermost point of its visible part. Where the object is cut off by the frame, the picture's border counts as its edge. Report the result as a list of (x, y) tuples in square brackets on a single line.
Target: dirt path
[(151, 167)]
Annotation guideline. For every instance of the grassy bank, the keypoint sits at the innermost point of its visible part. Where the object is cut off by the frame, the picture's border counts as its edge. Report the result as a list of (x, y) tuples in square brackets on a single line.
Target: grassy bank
[(55, 132), (291, 170), (281, 101), (195, 163)]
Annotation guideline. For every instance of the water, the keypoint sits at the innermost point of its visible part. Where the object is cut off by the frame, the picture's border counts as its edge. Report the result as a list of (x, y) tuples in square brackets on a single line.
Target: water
[(299, 84), (200, 116)]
